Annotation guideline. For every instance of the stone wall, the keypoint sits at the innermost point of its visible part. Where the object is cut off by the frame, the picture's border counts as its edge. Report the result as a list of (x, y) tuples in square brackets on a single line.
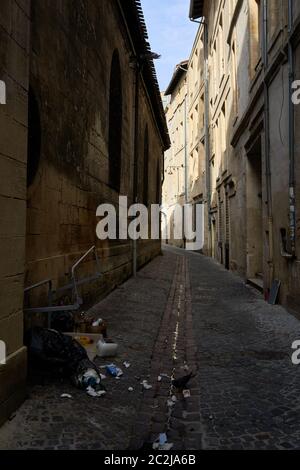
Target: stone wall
[(249, 182), (14, 67), (56, 60), (70, 78)]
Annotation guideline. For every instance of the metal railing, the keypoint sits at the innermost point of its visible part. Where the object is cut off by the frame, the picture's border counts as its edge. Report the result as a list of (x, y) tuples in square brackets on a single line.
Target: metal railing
[(74, 285)]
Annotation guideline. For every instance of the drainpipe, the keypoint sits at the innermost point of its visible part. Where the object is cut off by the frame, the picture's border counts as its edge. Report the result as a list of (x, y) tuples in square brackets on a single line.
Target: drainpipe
[(285, 253), (186, 162), (186, 179), (267, 142), (292, 210), (207, 122), (206, 119)]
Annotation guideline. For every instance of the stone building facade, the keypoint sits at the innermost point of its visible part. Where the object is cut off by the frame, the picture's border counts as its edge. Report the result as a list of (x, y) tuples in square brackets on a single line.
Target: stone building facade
[(250, 156), (185, 175), (176, 157), (83, 124), (252, 196)]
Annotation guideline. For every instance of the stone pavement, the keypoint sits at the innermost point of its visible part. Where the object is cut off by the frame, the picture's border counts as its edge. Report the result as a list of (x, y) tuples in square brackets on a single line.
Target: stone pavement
[(174, 355), (249, 387), (183, 311), (46, 421)]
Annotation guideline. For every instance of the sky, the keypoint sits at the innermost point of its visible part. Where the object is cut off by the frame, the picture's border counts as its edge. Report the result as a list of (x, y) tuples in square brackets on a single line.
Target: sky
[(171, 34)]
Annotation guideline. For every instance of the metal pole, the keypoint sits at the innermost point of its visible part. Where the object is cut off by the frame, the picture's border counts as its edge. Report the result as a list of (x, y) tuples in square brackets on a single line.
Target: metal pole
[(207, 133), (136, 137), (292, 210), (186, 191), (203, 23), (267, 141)]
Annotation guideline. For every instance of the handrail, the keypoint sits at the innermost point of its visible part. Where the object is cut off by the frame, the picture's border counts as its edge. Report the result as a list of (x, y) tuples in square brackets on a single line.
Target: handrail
[(73, 285), (75, 266), (39, 284)]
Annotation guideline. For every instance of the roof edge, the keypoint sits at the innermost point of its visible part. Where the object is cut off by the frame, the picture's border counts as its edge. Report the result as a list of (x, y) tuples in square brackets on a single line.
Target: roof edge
[(179, 72), (196, 9), (134, 17)]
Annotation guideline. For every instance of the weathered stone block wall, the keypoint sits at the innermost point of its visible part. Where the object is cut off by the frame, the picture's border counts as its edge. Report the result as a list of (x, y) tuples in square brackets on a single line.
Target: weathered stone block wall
[(14, 67), (72, 48), (147, 249)]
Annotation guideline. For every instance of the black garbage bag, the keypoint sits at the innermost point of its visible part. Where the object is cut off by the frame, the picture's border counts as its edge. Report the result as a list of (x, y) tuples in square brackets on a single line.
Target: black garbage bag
[(52, 349), (62, 321)]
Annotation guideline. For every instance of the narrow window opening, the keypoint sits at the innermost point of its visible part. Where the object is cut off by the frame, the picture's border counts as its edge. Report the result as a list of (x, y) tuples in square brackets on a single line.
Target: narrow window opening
[(34, 138), (146, 166), (115, 123)]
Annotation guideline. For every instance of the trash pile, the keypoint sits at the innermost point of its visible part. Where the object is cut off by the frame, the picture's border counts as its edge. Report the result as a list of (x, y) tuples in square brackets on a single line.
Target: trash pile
[(95, 326), (50, 348), (72, 355)]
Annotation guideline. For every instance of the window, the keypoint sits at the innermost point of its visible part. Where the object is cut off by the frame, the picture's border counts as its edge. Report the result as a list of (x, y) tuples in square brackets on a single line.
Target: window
[(274, 17), (212, 172), (256, 33), (223, 125), (234, 78), (34, 137), (115, 123), (215, 71), (217, 139), (221, 48), (220, 210), (146, 166), (202, 119), (158, 184)]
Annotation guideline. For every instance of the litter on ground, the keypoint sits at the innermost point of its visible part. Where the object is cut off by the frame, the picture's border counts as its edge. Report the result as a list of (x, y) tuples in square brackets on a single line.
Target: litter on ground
[(114, 371), (166, 376), (106, 349), (146, 385), (93, 393), (161, 443), (170, 403)]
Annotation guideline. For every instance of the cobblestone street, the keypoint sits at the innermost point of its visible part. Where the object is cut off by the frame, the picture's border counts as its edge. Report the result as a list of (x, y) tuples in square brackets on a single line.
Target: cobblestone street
[(183, 310)]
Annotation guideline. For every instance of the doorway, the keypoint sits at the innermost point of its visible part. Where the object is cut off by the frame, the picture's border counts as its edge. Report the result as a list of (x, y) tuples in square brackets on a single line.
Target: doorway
[(227, 232), (255, 215)]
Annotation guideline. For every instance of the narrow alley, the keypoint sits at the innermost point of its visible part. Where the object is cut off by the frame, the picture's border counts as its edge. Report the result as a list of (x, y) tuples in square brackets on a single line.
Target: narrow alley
[(182, 312), (149, 227)]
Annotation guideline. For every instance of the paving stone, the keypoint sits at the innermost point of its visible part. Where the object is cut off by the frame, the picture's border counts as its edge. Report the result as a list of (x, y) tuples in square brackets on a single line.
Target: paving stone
[(245, 394)]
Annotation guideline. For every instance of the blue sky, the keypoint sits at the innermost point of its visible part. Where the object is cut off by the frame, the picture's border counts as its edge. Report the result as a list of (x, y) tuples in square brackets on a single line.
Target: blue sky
[(171, 34)]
